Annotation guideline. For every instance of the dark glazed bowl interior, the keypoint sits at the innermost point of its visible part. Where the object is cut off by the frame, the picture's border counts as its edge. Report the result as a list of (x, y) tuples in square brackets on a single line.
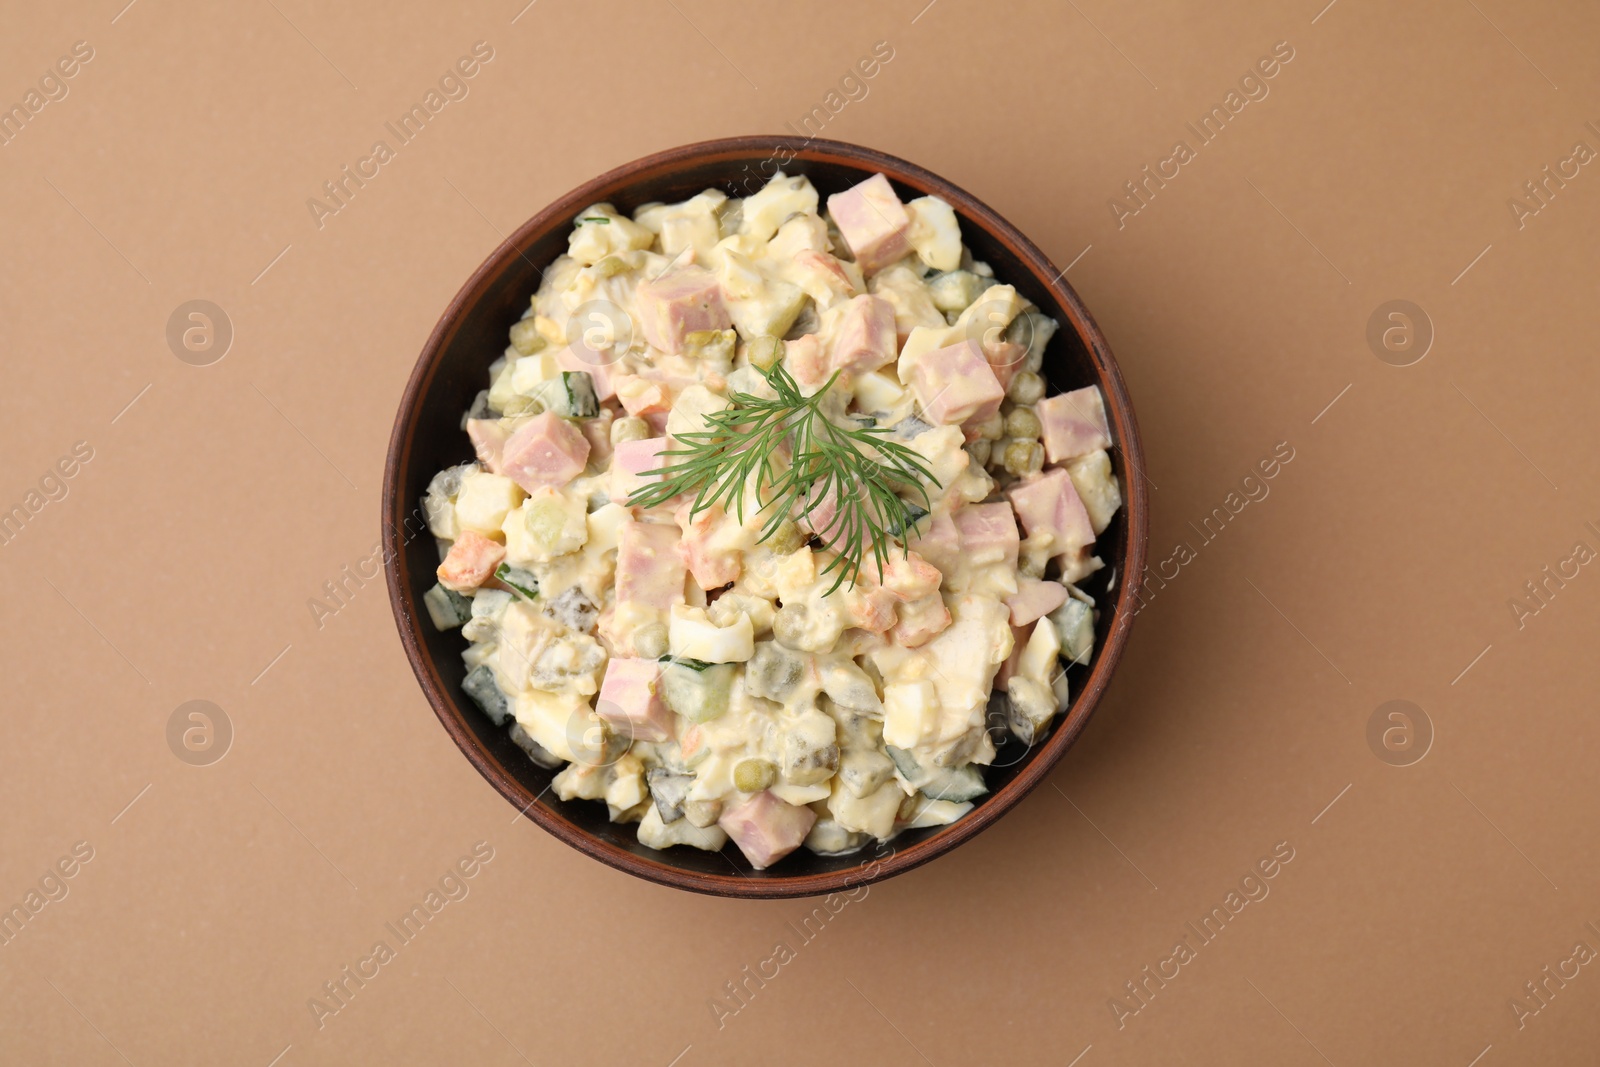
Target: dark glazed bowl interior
[(453, 367)]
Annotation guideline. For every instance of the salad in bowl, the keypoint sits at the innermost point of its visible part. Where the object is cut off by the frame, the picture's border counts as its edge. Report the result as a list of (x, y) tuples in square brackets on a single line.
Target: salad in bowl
[(766, 525)]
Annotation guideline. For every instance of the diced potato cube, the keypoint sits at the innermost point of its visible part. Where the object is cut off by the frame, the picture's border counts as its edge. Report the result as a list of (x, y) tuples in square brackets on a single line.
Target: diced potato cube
[(484, 500), (593, 240), (872, 814), (1097, 487), (781, 197), (935, 235)]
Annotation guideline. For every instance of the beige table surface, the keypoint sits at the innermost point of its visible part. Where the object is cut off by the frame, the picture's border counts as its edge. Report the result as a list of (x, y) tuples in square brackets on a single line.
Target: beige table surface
[(1383, 562)]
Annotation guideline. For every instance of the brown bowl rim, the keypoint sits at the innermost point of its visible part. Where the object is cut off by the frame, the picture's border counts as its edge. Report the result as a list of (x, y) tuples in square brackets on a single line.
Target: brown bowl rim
[(772, 884)]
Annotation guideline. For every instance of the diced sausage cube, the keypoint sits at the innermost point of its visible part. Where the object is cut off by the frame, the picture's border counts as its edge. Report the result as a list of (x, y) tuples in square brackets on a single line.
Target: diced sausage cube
[(470, 562), (806, 360), (956, 383), (1073, 424), (649, 569), (682, 301), (712, 547), (597, 431), (641, 396), (629, 462), (489, 439), (546, 450), (630, 700), (1006, 359), (873, 222), (939, 542), (765, 828), (1049, 506), (1034, 599), (988, 534), (865, 339)]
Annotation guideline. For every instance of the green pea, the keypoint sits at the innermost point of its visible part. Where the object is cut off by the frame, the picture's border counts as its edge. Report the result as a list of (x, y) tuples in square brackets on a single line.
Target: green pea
[(629, 428), (789, 626), (1026, 388), (1024, 457), (1023, 424), (993, 428), (754, 775)]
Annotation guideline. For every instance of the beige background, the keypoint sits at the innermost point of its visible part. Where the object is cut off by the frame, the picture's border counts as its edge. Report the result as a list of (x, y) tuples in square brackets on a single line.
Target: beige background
[(180, 563)]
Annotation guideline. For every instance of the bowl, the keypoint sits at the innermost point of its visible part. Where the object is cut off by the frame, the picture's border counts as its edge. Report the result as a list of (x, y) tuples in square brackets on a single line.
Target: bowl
[(452, 368)]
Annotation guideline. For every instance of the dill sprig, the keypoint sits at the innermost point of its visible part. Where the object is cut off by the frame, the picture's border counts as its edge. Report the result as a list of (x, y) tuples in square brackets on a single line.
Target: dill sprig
[(859, 467)]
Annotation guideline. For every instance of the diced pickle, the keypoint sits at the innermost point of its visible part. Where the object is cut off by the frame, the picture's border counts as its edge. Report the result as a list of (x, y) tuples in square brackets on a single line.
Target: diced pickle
[(447, 608), (941, 783), (517, 404), (1074, 622), (479, 684), (545, 519), (955, 290), (785, 539), (956, 784), (1030, 708), (909, 427), (573, 609), (863, 771), (714, 345), (669, 791), (774, 671), (805, 763), (487, 607), (611, 266), (702, 812), (698, 696), (570, 394), (806, 320)]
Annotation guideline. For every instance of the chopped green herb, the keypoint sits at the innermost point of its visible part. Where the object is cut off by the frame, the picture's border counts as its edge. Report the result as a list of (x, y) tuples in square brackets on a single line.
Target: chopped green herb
[(599, 219), (860, 469)]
